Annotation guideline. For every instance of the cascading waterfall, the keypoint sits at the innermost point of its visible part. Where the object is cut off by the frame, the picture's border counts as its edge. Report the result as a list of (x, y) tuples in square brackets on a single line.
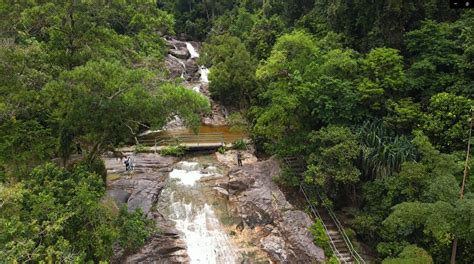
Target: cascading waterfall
[(204, 74), (192, 50), (206, 240), (203, 71)]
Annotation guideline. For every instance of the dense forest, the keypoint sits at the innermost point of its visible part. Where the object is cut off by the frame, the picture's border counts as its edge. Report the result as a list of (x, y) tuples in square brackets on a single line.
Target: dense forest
[(375, 96)]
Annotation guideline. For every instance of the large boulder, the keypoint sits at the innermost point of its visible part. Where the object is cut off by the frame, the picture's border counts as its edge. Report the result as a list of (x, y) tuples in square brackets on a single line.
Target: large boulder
[(275, 246), (181, 53), (295, 228), (175, 68), (261, 204)]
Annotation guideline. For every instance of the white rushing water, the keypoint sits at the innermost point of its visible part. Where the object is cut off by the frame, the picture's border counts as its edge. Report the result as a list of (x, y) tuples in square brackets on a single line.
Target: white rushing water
[(205, 237), (192, 50), (204, 74)]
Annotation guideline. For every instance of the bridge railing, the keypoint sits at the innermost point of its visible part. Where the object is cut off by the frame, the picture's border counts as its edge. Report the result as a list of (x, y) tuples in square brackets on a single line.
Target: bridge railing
[(198, 139)]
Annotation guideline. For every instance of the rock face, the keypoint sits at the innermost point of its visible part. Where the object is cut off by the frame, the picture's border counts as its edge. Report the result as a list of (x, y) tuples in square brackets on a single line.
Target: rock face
[(141, 190), (181, 53), (260, 203), (229, 158), (180, 63)]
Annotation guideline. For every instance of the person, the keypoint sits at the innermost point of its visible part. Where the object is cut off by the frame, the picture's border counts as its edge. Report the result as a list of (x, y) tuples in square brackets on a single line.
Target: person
[(127, 163), (78, 148), (239, 159)]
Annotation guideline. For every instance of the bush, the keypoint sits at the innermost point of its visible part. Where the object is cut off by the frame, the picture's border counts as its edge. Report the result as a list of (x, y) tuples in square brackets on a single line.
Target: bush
[(411, 254), (221, 150), (320, 237), (176, 150), (238, 123), (95, 165), (287, 178), (240, 144), (134, 229), (139, 148)]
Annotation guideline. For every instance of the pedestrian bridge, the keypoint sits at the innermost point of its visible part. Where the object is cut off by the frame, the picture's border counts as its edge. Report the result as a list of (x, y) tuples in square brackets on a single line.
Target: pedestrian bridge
[(210, 140)]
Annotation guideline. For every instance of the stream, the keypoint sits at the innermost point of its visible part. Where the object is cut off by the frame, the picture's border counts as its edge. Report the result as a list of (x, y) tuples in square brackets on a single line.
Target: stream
[(187, 202), (196, 210), (206, 208)]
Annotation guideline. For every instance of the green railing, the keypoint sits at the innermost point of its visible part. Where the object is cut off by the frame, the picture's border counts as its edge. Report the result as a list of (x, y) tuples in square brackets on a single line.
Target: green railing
[(297, 165), (186, 139)]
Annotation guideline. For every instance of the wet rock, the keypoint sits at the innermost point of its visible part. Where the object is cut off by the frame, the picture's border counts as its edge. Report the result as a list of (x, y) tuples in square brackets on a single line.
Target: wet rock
[(237, 185), (192, 69), (161, 248), (174, 66), (181, 53), (264, 208), (295, 228), (119, 196), (218, 115), (221, 191), (229, 158), (276, 247), (144, 195), (141, 189)]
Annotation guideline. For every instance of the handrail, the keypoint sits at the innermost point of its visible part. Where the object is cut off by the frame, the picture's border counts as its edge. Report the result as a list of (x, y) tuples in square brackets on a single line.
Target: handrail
[(346, 238), (187, 138), (355, 255), (334, 249)]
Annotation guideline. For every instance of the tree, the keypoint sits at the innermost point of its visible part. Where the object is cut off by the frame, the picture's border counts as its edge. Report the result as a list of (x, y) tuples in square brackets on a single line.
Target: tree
[(382, 77), (331, 163), (232, 72), (446, 121), (411, 254), (103, 103), (43, 218)]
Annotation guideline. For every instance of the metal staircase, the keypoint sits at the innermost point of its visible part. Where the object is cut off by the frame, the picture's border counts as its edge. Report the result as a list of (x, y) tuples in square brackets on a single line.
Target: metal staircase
[(340, 243)]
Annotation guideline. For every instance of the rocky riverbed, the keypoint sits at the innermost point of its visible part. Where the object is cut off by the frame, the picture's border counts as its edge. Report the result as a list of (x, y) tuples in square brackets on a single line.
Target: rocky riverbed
[(181, 62), (264, 227)]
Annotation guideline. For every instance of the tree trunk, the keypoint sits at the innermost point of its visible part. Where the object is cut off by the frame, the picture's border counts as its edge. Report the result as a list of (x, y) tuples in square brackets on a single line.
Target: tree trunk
[(461, 194)]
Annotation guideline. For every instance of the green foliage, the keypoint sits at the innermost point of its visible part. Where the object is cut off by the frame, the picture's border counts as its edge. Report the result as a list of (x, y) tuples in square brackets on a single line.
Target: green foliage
[(23, 144), (411, 254), (175, 150), (382, 153), (239, 144), (238, 123), (320, 238), (382, 77), (221, 150), (447, 120), (43, 218), (134, 229), (232, 79), (332, 161), (140, 148)]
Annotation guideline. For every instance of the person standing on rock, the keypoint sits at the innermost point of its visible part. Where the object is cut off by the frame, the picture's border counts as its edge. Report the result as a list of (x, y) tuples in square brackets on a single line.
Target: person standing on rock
[(127, 163), (239, 159)]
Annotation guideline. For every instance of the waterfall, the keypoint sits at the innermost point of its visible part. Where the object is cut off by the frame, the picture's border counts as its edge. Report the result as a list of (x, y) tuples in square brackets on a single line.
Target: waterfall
[(192, 50), (205, 237), (204, 74), (180, 62)]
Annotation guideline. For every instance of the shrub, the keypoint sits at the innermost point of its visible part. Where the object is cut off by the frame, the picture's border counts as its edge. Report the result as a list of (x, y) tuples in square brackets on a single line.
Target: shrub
[(134, 229), (287, 178), (139, 148), (320, 237), (240, 144), (221, 150), (238, 123), (176, 150)]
